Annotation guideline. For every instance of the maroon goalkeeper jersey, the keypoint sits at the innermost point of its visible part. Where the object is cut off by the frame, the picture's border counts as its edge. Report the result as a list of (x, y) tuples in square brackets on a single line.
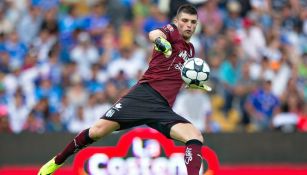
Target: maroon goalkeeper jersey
[(163, 73)]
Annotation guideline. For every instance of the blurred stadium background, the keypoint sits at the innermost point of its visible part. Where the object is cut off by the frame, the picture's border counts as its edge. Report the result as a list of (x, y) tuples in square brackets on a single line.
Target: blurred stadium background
[(64, 62)]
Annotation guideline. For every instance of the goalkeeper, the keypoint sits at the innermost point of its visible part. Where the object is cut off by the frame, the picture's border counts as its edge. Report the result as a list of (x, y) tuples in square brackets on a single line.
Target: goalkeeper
[(150, 101)]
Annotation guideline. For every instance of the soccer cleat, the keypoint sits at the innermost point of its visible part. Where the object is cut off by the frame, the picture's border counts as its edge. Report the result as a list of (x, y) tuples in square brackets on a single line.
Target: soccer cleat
[(49, 168)]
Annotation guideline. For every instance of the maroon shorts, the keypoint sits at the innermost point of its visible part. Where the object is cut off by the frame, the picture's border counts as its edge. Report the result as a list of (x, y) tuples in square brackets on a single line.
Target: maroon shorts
[(144, 105)]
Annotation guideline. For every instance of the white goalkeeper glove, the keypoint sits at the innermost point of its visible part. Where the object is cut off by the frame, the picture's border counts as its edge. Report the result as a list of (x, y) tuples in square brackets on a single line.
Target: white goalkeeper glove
[(163, 46)]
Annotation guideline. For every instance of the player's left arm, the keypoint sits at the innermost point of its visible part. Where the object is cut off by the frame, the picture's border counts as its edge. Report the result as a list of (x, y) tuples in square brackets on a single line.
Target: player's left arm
[(160, 41)]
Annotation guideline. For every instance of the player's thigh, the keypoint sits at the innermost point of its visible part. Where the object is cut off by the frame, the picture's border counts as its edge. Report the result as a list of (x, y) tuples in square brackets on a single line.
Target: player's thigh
[(103, 127), (184, 132)]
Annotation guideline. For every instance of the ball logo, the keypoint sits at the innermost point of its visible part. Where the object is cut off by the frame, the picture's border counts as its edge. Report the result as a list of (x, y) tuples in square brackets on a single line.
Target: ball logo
[(142, 151)]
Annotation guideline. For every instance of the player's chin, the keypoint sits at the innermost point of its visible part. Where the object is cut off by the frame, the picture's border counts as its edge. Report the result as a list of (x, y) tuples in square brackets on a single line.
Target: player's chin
[(188, 33), (187, 36)]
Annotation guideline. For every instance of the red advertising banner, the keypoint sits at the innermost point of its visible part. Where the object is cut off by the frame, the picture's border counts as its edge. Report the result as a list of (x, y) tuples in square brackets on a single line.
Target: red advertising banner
[(223, 170), (147, 146), (144, 151), (286, 169)]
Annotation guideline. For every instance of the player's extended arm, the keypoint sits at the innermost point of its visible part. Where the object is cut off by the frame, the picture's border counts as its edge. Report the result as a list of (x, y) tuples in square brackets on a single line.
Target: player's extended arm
[(161, 44)]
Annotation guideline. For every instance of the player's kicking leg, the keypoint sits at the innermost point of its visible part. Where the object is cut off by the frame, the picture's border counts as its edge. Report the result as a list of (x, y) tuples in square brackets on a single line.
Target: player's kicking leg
[(192, 137), (100, 129)]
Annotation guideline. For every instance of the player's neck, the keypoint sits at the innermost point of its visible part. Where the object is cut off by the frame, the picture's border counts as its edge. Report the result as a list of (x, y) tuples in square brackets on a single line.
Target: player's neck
[(186, 40)]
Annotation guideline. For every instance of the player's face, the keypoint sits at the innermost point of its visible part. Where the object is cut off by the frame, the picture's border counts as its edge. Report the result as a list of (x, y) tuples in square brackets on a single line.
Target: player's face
[(186, 24)]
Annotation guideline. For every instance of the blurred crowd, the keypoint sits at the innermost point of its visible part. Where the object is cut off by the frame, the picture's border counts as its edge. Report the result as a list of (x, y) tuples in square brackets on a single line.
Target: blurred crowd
[(63, 63)]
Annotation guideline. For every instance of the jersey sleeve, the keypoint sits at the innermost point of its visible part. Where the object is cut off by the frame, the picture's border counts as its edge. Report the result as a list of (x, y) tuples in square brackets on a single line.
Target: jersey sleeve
[(171, 32)]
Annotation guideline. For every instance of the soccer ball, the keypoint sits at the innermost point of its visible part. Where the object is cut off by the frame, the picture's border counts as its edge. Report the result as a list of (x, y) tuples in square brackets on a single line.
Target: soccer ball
[(195, 72)]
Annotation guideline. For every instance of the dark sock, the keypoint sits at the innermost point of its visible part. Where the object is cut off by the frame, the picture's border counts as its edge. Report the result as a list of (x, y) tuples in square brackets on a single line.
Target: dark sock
[(80, 141), (193, 157)]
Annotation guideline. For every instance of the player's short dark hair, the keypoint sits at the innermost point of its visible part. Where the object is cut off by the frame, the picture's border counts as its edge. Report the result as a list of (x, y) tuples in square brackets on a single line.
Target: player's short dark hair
[(187, 8)]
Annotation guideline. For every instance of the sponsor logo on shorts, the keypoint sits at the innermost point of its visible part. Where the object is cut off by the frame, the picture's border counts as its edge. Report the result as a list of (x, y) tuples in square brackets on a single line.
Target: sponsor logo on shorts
[(110, 113), (117, 106)]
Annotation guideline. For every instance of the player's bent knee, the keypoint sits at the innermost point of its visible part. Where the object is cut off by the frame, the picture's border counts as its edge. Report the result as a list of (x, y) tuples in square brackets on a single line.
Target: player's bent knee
[(194, 134), (185, 132), (197, 135), (102, 128), (94, 132)]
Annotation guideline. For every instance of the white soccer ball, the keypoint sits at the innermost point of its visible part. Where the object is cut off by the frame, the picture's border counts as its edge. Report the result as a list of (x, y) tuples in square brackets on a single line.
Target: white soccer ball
[(195, 72)]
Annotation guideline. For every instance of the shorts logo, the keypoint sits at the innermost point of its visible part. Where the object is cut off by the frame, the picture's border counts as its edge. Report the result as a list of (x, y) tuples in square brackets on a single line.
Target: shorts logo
[(110, 113), (118, 106), (115, 108)]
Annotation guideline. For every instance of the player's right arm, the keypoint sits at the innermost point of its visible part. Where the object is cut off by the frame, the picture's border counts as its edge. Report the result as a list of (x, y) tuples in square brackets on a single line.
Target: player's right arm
[(161, 44)]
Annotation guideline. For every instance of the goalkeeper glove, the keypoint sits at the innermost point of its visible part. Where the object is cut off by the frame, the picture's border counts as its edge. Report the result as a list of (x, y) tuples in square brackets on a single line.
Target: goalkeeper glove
[(163, 46), (202, 87)]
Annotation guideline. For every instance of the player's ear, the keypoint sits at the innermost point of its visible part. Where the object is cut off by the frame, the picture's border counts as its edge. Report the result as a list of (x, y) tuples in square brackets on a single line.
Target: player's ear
[(175, 20)]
